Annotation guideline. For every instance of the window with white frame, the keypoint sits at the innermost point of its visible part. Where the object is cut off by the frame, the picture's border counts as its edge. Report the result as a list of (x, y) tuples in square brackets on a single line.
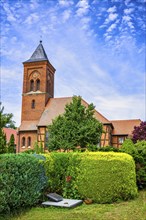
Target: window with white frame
[(121, 140)]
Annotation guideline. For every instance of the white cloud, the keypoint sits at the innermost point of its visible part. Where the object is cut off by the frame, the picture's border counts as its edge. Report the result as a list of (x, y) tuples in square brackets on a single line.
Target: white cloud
[(126, 18), (121, 107), (66, 15), (112, 9), (33, 18), (111, 17), (127, 2), (83, 7), (130, 24), (34, 4), (128, 10), (66, 3), (113, 26), (9, 13)]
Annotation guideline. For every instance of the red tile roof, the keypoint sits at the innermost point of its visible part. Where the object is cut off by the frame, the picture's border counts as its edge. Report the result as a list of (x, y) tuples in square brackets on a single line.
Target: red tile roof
[(56, 106), (9, 132), (124, 126), (28, 126)]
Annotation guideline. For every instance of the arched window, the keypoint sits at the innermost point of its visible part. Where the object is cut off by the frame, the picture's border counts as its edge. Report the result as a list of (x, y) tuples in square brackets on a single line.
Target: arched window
[(23, 142), (33, 104), (31, 85), (37, 84), (29, 142)]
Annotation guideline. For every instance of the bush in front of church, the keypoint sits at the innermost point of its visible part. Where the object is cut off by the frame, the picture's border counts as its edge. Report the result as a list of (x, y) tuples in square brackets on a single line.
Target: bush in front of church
[(22, 180), (103, 177), (62, 170), (107, 177)]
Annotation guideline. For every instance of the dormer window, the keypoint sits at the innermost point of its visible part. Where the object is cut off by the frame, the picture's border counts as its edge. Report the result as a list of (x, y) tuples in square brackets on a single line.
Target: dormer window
[(32, 85), (37, 84)]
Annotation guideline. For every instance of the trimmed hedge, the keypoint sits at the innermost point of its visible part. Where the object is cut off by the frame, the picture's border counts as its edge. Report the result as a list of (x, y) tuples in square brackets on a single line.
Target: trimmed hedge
[(22, 179), (107, 177), (104, 177)]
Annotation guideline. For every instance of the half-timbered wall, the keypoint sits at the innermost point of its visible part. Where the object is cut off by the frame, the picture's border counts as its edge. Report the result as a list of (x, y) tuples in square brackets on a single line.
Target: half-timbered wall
[(106, 136), (117, 140)]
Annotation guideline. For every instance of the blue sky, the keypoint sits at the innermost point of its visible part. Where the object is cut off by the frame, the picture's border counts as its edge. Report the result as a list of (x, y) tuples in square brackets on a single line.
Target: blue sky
[(96, 46)]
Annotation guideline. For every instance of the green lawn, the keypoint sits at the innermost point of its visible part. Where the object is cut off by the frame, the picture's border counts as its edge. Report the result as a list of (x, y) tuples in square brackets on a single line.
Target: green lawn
[(130, 210)]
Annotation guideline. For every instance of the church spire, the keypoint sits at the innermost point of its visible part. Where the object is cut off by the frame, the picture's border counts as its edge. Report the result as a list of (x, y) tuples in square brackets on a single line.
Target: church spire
[(38, 55)]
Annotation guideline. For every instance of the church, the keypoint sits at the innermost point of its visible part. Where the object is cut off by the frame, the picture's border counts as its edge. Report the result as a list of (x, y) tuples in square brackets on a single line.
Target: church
[(39, 107)]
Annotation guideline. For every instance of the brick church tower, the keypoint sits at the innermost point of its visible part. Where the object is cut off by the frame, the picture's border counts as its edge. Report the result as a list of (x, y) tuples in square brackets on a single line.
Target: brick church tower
[(38, 84), (38, 88)]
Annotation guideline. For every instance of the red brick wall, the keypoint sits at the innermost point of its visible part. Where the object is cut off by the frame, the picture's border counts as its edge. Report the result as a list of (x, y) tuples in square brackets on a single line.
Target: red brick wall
[(26, 134), (45, 73)]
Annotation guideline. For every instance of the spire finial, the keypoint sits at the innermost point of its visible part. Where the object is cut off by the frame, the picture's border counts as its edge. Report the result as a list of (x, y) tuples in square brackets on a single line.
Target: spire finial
[(40, 39)]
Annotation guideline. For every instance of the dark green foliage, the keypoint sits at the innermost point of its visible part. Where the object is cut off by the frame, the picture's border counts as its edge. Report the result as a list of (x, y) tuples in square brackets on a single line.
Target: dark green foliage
[(11, 145), (55, 166), (107, 177), (76, 127), (38, 148), (128, 147), (138, 151), (3, 142), (141, 163), (31, 151), (6, 119), (108, 149), (22, 179)]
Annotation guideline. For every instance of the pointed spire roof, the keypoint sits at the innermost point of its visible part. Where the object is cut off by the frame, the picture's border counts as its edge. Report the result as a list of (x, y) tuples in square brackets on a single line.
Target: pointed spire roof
[(38, 55)]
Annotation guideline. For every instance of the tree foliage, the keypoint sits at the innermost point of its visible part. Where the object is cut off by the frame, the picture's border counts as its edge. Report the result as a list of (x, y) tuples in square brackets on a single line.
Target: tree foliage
[(3, 142), (76, 127), (7, 122), (11, 145), (139, 132), (6, 119)]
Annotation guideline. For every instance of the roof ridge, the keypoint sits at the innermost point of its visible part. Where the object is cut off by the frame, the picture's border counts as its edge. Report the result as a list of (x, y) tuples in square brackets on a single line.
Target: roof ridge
[(126, 120)]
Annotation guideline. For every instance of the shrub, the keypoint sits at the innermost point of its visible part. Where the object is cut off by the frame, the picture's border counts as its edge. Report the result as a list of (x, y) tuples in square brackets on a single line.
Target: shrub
[(55, 166), (103, 177), (22, 179), (129, 148), (61, 170), (138, 151), (108, 149), (141, 163), (139, 132), (107, 177)]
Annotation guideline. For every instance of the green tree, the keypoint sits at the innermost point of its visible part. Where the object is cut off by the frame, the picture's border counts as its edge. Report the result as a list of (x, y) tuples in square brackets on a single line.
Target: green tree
[(11, 145), (6, 119), (3, 143), (76, 127)]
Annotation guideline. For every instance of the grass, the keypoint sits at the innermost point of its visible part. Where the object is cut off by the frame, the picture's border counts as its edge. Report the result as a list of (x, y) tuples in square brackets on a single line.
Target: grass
[(133, 209)]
